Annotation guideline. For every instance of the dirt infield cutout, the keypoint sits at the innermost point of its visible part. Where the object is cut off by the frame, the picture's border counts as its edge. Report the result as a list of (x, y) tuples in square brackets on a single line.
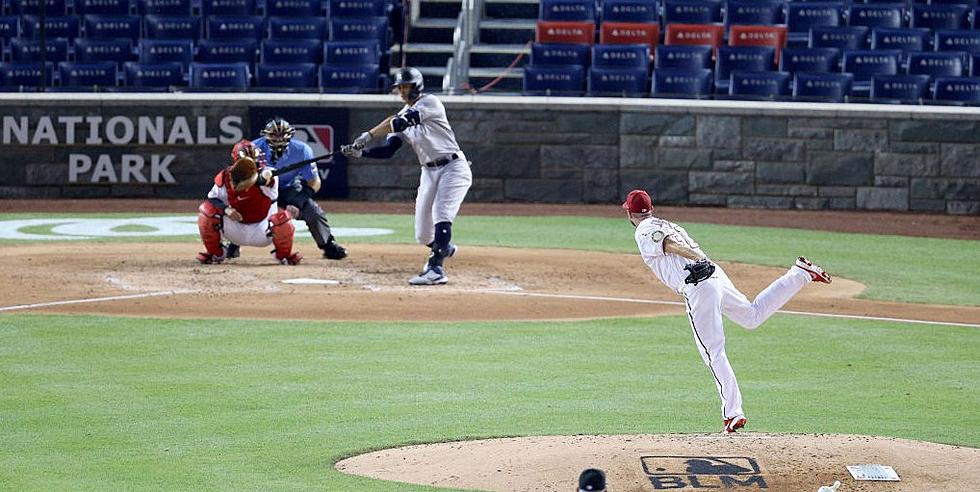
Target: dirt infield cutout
[(634, 463)]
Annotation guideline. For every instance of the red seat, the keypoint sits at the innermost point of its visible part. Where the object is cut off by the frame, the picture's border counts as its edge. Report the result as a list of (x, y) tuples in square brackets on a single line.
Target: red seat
[(695, 34), (565, 32), (630, 33), (772, 36)]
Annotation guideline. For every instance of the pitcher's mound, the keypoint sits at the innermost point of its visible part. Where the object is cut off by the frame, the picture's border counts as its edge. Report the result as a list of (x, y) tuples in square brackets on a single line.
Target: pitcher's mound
[(746, 461)]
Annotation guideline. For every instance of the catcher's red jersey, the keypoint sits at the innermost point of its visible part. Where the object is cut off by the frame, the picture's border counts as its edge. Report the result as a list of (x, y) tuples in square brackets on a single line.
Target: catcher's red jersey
[(253, 204)]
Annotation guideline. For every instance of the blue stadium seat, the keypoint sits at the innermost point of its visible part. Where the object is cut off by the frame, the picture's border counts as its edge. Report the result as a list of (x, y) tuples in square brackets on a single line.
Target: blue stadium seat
[(349, 78), (753, 13), (232, 76), (960, 90), (96, 50), (809, 60), (236, 27), (554, 80), (840, 37), (975, 64), (297, 28), (74, 74), (13, 74), (286, 75), (544, 54), (29, 50), (172, 27), (105, 7), (292, 51), (32, 7), (891, 15), (54, 27), (616, 81), (359, 29), (682, 83), (227, 50), (969, 3), (227, 7), (692, 11), (630, 11), (802, 16), (356, 8), (293, 8), (898, 89), (165, 7), (157, 51), (866, 64), (905, 39), (567, 10), (939, 16), (938, 64), (154, 74), (957, 40), (975, 18), (112, 26), (742, 58), (683, 57), (9, 27), (621, 56), (822, 87), (339, 53), (759, 85)]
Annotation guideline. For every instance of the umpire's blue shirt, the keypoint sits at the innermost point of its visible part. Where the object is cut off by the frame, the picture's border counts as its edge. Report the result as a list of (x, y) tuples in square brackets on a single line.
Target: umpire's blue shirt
[(296, 151)]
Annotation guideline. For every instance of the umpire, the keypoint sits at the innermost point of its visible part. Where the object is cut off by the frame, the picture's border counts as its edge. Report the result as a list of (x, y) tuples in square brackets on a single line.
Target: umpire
[(297, 187)]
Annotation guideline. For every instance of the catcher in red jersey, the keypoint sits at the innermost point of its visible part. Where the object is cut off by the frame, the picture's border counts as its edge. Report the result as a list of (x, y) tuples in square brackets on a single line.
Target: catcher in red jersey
[(241, 207)]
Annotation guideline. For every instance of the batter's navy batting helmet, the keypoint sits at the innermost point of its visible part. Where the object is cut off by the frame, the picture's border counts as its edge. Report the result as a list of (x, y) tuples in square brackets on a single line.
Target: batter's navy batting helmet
[(278, 132), (410, 75), (638, 202)]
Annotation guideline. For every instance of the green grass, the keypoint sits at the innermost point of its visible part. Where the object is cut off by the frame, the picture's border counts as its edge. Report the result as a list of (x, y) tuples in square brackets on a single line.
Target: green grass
[(894, 268), (97, 403)]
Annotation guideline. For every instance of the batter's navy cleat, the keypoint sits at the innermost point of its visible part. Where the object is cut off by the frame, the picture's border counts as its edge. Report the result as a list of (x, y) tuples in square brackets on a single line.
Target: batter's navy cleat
[(734, 424), (432, 275), (816, 273), (209, 259)]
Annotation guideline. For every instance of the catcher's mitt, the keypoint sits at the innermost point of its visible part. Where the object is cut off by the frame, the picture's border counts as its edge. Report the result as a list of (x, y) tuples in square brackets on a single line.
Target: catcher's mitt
[(700, 271), (243, 174)]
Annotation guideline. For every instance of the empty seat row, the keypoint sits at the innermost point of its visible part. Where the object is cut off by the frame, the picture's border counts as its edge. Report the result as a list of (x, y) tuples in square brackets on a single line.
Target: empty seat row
[(210, 51), (189, 27), (204, 75), (290, 8)]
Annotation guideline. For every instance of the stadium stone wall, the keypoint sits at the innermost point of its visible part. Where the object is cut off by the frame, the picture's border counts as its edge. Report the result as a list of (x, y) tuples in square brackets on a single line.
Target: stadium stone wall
[(724, 153)]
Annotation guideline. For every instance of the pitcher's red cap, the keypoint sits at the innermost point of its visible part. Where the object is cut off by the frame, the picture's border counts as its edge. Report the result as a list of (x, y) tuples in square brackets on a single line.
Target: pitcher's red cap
[(638, 201)]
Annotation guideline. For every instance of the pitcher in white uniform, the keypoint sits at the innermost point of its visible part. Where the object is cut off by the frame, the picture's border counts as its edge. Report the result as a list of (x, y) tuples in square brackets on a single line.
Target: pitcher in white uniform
[(667, 248), (446, 175)]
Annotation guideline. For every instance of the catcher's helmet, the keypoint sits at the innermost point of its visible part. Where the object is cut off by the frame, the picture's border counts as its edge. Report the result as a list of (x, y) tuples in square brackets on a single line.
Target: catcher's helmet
[(410, 75), (278, 132)]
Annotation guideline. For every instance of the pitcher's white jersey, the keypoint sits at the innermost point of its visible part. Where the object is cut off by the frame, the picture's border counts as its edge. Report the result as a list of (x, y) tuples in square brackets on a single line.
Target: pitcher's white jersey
[(650, 235), (432, 138)]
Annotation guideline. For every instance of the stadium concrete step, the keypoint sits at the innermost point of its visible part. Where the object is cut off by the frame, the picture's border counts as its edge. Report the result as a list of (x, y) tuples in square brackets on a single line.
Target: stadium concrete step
[(507, 31), (443, 9), (422, 54), (432, 30), (498, 55), (512, 81), (510, 9)]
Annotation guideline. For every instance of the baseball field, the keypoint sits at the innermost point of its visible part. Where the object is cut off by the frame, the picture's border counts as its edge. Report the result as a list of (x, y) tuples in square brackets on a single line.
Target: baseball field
[(128, 366)]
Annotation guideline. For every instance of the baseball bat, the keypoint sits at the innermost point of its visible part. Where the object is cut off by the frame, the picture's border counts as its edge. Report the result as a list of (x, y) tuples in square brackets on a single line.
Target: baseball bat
[(297, 165)]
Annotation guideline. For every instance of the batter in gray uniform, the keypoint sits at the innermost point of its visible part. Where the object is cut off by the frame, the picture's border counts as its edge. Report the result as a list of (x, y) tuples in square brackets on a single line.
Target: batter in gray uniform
[(446, 175)]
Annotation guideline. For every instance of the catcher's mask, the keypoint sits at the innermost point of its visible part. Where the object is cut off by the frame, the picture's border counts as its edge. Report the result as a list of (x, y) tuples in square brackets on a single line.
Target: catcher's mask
[(410, 75), (243, 174), (245, 148), (278, 132)]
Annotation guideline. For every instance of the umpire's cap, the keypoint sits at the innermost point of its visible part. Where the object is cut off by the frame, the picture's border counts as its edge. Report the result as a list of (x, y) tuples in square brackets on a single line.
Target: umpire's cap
[(638, 202), (592, 480)]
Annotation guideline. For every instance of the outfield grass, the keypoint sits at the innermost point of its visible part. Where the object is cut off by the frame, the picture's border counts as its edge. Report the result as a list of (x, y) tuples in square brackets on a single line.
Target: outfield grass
[(115, 403), (894, 268)]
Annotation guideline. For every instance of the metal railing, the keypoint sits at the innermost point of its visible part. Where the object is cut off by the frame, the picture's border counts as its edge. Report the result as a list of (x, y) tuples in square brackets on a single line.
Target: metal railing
[(465, 35)]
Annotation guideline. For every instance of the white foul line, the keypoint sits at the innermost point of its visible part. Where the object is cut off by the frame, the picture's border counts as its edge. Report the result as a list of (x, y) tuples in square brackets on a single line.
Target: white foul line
[(678, 303), (96, 299)]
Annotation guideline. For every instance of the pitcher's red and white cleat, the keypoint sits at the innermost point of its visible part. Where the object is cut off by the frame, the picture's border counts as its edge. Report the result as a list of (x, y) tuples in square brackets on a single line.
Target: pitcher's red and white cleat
[(734, 424), (816, 273)]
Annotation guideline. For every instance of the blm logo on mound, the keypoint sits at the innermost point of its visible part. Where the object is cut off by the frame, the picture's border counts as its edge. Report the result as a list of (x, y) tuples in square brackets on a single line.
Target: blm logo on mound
[(703, 472)]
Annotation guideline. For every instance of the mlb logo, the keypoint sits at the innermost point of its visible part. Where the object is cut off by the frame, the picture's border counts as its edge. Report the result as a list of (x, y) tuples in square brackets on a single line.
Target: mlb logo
[(318, 137)]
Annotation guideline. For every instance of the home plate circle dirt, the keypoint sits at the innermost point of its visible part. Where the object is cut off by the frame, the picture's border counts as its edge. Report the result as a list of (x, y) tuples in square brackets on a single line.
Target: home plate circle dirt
[(634, 463)]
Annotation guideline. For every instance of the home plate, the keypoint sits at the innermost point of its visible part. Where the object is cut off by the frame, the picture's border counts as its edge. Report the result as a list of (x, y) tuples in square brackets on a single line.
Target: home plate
[(311, 281)]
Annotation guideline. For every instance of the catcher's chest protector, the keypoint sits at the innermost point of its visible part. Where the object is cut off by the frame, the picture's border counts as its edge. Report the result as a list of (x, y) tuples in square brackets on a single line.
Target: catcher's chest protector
[(251, 203)]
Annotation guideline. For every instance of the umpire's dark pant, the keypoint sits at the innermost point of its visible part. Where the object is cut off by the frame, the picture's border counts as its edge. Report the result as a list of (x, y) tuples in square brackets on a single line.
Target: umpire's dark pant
[(309, 212)]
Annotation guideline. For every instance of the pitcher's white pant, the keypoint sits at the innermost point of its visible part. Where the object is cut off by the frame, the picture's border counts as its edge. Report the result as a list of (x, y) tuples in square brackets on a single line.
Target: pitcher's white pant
[(717, 296), (256, 234), (441, 192)]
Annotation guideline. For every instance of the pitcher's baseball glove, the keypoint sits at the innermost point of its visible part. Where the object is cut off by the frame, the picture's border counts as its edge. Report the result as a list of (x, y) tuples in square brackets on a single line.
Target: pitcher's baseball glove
[(700, 271)]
